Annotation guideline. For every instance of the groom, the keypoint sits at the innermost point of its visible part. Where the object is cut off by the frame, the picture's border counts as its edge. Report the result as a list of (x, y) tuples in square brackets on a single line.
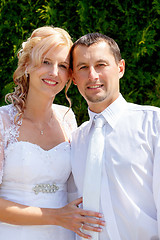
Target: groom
[(130, 175)]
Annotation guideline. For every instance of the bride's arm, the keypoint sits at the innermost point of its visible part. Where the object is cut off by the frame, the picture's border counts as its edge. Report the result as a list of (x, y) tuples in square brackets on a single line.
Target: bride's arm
[(14, 213), (70, 216)]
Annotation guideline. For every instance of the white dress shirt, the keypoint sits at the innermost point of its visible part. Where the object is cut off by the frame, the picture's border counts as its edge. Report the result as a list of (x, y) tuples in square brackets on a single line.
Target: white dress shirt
[(131, 164)]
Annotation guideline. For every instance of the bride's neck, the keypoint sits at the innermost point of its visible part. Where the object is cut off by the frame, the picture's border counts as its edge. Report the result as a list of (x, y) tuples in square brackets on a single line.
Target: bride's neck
[(38, 110)]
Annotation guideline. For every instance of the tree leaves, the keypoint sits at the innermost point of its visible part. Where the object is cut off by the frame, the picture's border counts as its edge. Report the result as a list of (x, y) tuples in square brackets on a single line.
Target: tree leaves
[(134, 24)]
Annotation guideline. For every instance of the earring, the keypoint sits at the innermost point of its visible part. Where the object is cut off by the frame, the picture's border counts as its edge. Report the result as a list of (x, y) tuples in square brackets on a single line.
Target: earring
[(26, 74)]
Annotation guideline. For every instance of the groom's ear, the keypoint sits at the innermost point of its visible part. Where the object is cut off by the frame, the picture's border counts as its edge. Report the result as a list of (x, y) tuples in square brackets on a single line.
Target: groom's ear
[(72, 77), (74, 81)]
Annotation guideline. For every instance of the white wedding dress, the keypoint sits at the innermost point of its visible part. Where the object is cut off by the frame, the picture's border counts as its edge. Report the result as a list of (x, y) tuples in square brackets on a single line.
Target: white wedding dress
[(32, 176)]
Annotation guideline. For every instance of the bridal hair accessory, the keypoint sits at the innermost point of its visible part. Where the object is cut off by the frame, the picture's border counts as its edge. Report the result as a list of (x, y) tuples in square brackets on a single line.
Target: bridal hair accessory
[(20, 53), (21, 50), (23, 45)]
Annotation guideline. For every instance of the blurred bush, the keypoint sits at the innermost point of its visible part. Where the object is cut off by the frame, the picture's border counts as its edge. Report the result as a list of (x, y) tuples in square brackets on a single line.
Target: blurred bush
[(134, 25)]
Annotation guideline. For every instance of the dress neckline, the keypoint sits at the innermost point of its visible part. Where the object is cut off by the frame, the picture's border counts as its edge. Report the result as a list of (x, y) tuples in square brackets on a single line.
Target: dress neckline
[(15, 129), (45, 150)]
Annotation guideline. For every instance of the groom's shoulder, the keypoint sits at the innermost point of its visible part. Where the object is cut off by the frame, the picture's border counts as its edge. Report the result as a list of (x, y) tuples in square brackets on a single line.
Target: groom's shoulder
[(81, 129), (83, 125)]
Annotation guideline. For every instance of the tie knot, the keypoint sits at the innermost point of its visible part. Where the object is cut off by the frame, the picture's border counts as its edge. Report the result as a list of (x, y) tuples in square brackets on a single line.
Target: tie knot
[(99, 121)]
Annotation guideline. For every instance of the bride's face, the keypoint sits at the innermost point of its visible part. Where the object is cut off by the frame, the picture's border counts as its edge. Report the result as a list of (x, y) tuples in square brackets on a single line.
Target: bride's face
[(53, 73)]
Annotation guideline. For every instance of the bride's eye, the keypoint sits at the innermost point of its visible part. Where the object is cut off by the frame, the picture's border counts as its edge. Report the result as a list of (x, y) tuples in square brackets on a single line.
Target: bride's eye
[(63, 66), (46, 62)]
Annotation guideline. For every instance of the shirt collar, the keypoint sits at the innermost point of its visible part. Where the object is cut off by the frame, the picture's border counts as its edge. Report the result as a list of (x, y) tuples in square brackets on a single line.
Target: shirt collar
[(112, 112)]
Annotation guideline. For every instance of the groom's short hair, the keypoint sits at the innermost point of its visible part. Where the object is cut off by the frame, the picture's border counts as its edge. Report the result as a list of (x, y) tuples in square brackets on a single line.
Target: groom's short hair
[(92, 38)]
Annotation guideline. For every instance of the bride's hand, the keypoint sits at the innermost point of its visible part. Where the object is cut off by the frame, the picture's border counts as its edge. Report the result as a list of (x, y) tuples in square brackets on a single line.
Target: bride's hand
[(74, 218)]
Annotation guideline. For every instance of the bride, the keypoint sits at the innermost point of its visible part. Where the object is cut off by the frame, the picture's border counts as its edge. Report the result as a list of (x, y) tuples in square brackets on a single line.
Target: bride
[(35, 149)]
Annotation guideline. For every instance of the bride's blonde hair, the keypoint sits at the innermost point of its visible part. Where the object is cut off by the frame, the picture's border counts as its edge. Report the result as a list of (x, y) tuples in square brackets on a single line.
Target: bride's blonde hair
[(33, 51)]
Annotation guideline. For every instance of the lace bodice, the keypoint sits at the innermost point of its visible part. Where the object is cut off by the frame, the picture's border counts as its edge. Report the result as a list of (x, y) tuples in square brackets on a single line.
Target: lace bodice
[(9, 131)]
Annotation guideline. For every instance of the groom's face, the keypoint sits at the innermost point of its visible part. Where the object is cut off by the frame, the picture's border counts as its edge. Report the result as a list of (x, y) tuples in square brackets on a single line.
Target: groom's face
[(96, 74)]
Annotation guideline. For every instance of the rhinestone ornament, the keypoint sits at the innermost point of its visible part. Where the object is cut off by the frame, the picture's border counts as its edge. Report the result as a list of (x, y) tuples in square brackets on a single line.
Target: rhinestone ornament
[(45, 188)]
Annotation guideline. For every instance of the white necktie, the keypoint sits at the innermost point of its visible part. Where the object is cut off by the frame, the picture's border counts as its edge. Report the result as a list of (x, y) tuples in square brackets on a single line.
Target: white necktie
[(92, 179)]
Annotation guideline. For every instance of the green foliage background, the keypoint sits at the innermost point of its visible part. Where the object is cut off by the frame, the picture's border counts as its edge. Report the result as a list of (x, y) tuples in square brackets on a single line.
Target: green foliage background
[(135, 25)]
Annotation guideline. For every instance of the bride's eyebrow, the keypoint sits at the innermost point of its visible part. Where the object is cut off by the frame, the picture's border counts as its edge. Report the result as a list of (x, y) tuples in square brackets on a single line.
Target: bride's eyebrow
[(65, 62), (46, 58)]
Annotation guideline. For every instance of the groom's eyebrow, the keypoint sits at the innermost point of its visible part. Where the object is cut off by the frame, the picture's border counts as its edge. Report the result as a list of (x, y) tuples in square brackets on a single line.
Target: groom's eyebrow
[(102, 60), (80, 64)]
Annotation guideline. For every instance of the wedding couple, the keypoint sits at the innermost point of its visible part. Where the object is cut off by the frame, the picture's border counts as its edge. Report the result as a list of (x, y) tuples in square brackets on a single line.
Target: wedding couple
[(41, 145)]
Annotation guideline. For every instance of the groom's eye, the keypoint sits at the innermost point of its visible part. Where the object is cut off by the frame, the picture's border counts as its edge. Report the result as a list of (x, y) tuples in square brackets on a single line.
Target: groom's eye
[(83, 67)]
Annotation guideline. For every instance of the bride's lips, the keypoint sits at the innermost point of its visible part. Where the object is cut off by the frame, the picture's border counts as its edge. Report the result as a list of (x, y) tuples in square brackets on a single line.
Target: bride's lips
[(50, 81)]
